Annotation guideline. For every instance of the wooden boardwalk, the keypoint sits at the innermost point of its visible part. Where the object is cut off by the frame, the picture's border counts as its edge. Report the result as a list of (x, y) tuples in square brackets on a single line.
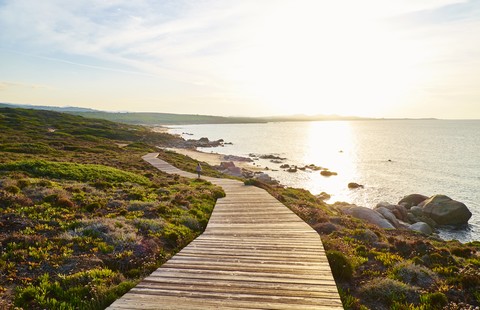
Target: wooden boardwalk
[(254, 254)]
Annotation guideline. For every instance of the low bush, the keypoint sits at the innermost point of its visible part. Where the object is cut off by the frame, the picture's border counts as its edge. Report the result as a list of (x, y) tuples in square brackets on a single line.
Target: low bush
[(27, 148), (385, 292), (73, 171), (434, 301), (412, 274), (341, 267)]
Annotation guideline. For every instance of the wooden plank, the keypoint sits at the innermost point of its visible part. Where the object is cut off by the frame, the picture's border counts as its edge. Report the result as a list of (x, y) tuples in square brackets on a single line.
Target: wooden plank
[(254, 254)]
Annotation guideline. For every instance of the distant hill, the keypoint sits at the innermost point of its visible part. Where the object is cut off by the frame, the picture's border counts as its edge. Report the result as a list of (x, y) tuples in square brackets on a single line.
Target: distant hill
[(140, 117), (166, 118), (150, 118), (41, 107)]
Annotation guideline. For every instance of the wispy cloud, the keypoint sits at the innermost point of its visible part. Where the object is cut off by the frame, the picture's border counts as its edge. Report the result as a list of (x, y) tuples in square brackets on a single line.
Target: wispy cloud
[(164, 38), (181, 39), (5, 86)]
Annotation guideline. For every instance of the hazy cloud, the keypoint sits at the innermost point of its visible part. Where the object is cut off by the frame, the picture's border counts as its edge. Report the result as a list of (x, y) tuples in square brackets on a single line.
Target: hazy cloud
[(5, 86)]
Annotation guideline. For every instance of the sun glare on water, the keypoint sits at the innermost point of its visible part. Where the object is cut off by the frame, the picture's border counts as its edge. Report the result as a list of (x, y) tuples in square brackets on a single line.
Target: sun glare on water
[(334, 151), (319, 57)]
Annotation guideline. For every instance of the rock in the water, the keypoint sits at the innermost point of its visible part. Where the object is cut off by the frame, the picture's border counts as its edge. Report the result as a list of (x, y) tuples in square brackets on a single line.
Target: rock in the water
[(237, 158), (412, 200), (369, 215), (313, 167), (353, 185), (446, 211), (327, 173), (292, 169), (422, 227)]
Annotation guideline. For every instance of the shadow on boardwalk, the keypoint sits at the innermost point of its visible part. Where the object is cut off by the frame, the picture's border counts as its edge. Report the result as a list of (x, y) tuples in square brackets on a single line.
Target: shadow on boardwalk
[(254, 254)]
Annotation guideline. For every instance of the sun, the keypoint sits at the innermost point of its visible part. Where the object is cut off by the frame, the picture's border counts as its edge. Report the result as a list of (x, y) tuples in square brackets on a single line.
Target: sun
[(316, 58)]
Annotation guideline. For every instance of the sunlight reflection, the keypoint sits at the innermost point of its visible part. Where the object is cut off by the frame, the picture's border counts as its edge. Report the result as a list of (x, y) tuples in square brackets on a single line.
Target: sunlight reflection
[(332, 146)]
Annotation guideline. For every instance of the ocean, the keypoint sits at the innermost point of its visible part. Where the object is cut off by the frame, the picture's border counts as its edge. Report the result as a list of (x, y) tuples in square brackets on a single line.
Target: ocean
[(391, 158)]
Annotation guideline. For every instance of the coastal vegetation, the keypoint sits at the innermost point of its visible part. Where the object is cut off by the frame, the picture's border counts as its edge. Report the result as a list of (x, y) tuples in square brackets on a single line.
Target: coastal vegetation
[(82, 217)]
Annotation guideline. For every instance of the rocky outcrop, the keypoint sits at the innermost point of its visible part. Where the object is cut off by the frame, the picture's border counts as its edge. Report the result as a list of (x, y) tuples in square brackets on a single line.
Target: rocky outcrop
[(424, 218), (412, 200), (446, 211), (230, 169), (421, 227), (265, 178), (399, 211), (368, 215), (202, 142), (237, 158), (267, 156), (389, 216)]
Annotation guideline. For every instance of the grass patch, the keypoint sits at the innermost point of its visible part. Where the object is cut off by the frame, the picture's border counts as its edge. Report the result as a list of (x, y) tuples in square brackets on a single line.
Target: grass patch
[(73, 171)]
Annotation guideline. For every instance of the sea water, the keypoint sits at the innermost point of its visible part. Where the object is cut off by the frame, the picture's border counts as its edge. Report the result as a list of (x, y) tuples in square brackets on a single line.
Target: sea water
[(391, 158)]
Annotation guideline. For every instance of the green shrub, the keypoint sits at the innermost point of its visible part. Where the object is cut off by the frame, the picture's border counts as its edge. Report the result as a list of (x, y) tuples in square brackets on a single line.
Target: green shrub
[(386, 258), (22, 183), (387, 291), (412, 274), (74, 171), (464, 252), (91, 289), (12, 189), (349, 302), (341, 267), (93, 206), (434, 301), (27, 148), (361, 250)]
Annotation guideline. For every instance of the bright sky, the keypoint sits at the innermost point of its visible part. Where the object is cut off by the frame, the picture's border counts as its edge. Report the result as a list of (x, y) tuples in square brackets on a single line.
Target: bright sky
[(397, 58)]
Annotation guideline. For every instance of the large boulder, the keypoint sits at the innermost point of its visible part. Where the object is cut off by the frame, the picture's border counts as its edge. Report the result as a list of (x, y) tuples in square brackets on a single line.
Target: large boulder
[(416, 210), (388, 215), (368, 215), (422, 227), (446, 211), (398, 210), (412, 200)]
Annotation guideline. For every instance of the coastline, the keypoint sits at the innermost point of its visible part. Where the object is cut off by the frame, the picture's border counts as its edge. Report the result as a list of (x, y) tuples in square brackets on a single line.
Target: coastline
[(214, 159)]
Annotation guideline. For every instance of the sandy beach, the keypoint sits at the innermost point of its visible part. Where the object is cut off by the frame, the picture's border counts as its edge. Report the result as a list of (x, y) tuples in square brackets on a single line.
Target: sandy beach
[(214, 158)]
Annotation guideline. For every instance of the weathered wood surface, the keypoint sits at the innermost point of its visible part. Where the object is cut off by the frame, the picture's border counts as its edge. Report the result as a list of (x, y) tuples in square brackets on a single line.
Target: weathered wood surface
[(254, 254)]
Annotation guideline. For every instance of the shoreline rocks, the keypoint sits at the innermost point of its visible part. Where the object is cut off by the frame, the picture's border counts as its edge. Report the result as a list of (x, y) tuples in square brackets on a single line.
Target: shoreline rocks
[(368, 215), (446, 211), (415, 213), (202, 142)]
